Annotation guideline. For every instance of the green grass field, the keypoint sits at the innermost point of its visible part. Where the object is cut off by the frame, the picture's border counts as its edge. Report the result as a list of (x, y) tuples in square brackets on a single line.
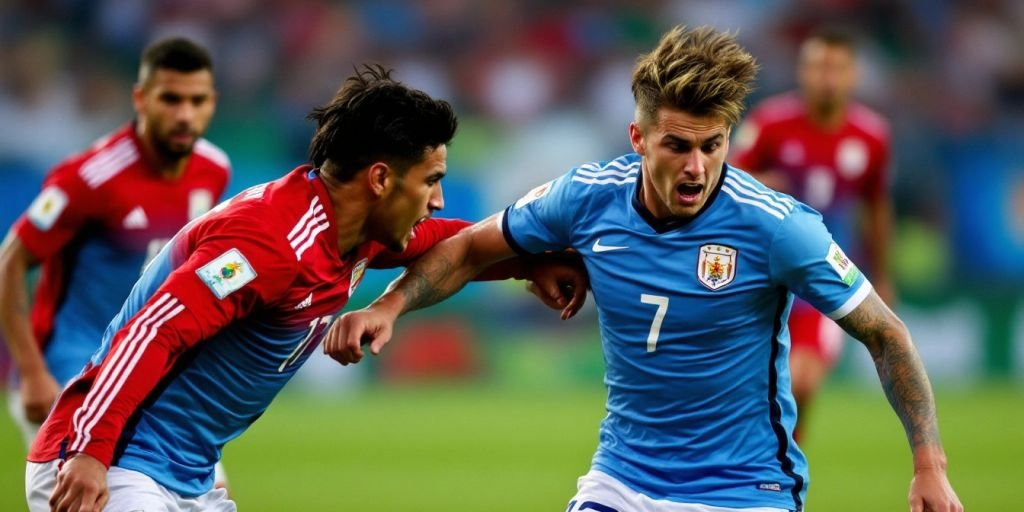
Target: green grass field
[(480, 448)]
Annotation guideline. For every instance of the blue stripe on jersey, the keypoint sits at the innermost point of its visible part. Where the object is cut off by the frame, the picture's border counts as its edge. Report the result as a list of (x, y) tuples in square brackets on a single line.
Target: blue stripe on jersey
[(776, 409)]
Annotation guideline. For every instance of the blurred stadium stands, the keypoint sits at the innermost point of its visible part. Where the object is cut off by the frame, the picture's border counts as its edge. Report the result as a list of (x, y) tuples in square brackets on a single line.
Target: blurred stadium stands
[(540, 86)]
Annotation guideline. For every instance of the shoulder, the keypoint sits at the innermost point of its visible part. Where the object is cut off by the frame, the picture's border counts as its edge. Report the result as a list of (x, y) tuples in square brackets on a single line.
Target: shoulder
[(868, 121), (107, 158), (213, 155), (604, 178), (752, 200), (284, 213)]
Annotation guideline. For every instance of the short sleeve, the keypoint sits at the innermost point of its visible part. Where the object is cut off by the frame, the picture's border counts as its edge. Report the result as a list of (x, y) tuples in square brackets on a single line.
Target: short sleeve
[(63, 207), (804, 258), (542, 219)]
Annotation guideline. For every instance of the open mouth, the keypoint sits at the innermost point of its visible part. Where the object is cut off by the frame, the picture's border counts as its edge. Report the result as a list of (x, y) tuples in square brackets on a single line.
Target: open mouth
[(689, 192)]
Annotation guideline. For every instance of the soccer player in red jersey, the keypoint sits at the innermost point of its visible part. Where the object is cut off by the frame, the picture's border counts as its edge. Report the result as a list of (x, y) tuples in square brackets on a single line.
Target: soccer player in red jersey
[(238, 300), (831, 153), (101, 215)]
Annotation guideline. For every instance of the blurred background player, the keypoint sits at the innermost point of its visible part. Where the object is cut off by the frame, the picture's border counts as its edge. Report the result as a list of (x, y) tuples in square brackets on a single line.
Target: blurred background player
[(101, 215), (831, 153)]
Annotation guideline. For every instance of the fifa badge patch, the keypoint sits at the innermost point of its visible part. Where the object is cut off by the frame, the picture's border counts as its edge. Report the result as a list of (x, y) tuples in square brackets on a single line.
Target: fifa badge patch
[(227, 273), (845, 268), (357, 276), (533, 195), (716, 265), (47, 207)]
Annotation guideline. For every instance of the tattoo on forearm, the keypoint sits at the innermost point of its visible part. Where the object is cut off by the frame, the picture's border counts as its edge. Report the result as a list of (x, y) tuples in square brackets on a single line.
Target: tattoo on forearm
[(899, 367), (423, 287)]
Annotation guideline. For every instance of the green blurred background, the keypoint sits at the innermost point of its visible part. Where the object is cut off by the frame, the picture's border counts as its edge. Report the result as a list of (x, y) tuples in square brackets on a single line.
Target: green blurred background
[(488, 402)]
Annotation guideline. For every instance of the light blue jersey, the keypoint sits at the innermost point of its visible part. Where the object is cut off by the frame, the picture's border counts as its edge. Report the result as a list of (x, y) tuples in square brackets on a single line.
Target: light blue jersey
[(693, 327)]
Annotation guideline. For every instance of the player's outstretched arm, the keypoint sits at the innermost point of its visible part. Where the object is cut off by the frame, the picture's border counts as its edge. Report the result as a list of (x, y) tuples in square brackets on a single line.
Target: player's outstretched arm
[(38, 387), (435, 276), (909, 392)]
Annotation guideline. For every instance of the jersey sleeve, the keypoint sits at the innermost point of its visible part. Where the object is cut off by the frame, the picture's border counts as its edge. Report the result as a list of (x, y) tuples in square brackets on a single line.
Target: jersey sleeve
[(63, 207), (227, 275), (804, 258), (425, 235), (542, 219)]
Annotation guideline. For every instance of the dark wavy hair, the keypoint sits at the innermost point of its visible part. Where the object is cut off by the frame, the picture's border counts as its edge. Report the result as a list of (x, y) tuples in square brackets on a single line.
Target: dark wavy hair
[(373, 118)]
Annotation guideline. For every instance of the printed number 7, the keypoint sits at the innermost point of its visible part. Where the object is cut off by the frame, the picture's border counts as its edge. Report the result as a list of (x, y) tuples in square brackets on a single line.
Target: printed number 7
[(659, 316)]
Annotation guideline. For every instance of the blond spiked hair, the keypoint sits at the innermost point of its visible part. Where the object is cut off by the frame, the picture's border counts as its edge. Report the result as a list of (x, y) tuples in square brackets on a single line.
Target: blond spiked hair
[(702, 72)]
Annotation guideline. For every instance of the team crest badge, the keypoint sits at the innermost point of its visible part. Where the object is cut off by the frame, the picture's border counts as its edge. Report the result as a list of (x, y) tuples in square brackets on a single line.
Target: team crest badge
[(357, 276), (716, 266)]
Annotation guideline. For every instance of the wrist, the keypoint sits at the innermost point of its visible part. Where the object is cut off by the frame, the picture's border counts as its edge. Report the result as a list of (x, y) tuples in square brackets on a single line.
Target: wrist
[(391, 304), (929, 458)]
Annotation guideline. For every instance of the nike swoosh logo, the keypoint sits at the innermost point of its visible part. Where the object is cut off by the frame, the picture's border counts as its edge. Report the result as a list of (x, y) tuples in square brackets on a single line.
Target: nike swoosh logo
[(604, 248)]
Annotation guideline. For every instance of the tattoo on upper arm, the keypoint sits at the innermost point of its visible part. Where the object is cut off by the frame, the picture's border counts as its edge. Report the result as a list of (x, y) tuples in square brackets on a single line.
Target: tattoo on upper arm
[(899, 367)]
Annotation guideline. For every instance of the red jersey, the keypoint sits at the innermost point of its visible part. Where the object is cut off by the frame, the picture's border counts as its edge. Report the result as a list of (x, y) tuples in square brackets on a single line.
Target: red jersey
[(215, 327), (100, 216), (831, 171)]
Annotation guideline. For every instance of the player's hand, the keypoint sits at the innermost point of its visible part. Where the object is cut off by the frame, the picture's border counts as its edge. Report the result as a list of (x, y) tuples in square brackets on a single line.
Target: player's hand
[(81, 486), (560, 283), (347, 335), (930, 492), (38, 392)]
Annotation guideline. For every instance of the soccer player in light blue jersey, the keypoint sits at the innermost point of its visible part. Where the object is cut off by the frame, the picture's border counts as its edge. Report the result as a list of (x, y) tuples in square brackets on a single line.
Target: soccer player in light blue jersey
[(693, 266)]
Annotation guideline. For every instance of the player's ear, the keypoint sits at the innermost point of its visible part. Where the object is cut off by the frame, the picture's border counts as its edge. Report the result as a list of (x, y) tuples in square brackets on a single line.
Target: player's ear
[(636, 138), (379, 177), (138, 98)]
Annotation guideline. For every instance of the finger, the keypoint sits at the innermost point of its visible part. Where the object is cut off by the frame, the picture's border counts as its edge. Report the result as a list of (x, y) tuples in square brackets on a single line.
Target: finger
[(549, 295), (90, 497), (380, 340), (579, 297), (63, 499), (916, 504), (102, 501)]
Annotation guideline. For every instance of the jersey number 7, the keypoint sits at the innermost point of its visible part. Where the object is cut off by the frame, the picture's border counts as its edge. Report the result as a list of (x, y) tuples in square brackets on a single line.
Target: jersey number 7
[(662, 302)]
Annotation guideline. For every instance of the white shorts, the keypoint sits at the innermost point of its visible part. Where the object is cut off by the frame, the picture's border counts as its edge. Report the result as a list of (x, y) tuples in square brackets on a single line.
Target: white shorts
[(129, 491), (600, 492)]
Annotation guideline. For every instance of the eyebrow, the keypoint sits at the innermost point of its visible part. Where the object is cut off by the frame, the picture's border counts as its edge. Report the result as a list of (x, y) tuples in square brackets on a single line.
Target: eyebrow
[(677, 139)]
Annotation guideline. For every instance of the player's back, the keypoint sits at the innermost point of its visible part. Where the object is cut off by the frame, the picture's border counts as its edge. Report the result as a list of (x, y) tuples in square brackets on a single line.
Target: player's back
[(100, 216)]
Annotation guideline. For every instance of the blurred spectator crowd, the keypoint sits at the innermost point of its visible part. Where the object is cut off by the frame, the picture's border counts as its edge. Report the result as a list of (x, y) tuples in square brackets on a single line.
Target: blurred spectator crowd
[(542, 85)]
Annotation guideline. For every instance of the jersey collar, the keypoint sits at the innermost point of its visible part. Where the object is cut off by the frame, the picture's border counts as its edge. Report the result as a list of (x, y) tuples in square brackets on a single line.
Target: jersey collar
[(669, 224)]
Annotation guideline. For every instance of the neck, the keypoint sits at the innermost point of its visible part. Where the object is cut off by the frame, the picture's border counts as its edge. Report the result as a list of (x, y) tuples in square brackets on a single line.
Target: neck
[(827, 116), (170, 168), (351, 212)]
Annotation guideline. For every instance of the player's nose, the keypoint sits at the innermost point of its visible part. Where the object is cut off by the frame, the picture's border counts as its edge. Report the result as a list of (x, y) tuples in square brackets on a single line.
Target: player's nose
[(436, 201), (694, 164)]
